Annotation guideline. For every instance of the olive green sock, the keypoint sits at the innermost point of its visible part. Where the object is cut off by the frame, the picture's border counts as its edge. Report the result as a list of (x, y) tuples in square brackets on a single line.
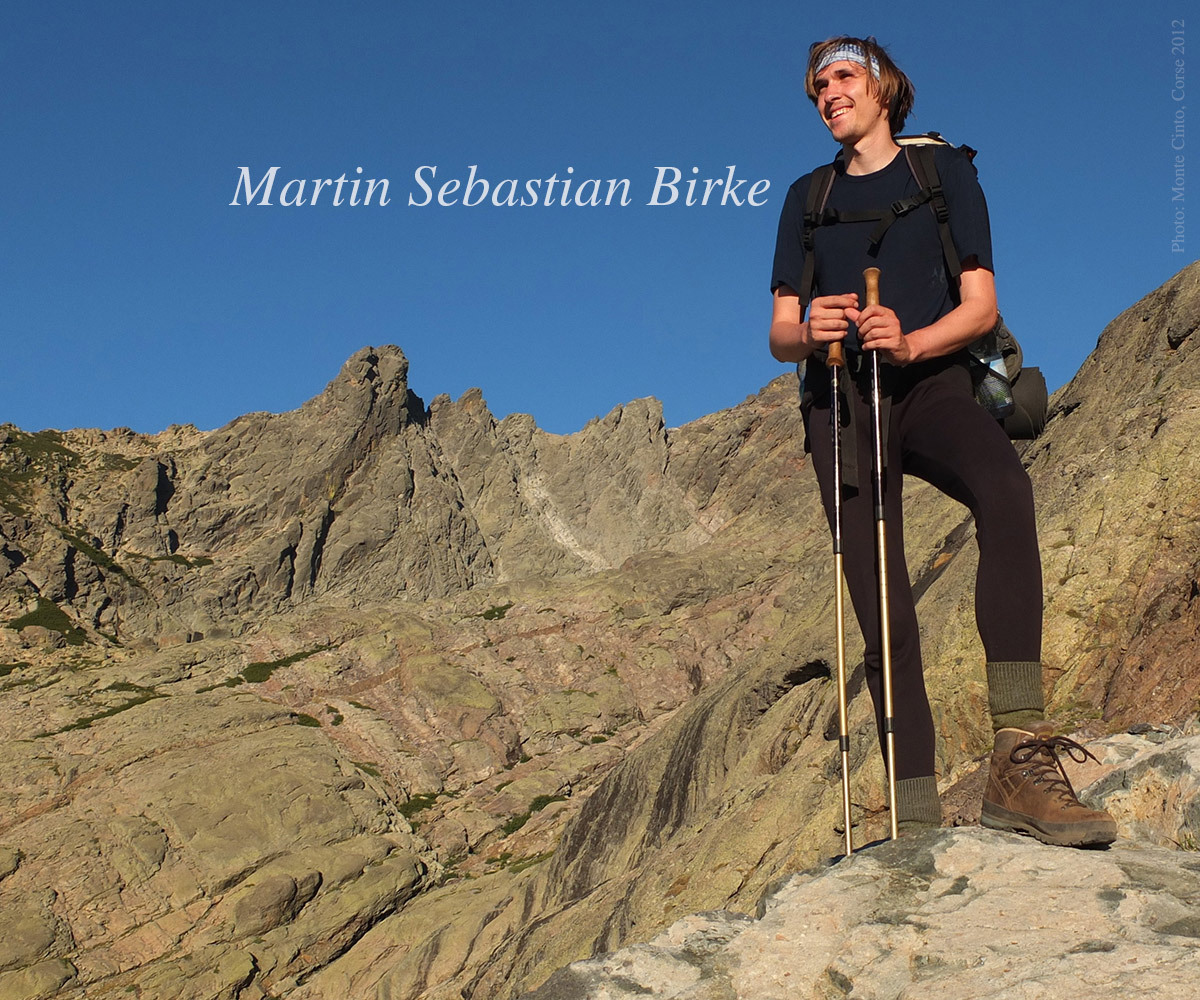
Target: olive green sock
[(917, 804), (1015, 694)]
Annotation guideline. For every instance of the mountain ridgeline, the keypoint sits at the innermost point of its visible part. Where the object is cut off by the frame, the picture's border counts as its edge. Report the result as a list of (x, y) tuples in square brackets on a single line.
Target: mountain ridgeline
[(361, 492)]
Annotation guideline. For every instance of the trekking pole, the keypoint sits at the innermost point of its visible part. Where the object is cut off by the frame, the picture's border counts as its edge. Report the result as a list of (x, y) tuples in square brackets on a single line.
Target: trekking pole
[(871, 276), (836, 362)]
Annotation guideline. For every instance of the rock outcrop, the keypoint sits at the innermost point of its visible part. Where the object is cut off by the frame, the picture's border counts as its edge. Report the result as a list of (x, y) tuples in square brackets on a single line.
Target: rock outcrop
[(202, 839), (952, 913), (944, 914), (379, 699)]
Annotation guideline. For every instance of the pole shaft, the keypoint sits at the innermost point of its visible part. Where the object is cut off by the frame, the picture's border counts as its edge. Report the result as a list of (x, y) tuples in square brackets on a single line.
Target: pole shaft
[(871, 277), (835, 367), (837, 361), (843, 714)]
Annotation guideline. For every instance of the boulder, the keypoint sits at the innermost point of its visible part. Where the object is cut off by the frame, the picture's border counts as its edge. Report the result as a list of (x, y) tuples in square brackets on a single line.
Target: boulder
[(944, 914)]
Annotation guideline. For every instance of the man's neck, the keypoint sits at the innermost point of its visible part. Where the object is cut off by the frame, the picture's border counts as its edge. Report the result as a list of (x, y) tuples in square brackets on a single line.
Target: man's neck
[(870, 153)]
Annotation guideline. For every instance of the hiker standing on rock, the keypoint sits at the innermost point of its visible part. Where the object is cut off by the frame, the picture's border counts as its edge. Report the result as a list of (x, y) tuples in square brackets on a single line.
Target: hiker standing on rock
[(933, 428)]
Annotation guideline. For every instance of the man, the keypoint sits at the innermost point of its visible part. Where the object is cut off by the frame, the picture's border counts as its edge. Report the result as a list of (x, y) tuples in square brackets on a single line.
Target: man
[(935, 430)]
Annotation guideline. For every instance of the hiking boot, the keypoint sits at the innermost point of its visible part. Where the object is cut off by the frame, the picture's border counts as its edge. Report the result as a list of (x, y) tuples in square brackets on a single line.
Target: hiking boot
[(1029, 792)]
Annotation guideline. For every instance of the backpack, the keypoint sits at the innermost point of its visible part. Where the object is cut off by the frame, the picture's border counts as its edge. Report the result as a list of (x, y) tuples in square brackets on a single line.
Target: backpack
[(1013, 394)]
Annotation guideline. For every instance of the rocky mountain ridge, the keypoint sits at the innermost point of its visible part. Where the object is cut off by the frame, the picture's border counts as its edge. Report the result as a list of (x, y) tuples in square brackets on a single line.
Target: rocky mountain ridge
[(380, 699), (361, 491)]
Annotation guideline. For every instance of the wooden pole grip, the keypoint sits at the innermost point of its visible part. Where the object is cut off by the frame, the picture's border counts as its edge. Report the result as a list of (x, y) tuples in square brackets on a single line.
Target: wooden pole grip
[(871, 277), (836, 358)]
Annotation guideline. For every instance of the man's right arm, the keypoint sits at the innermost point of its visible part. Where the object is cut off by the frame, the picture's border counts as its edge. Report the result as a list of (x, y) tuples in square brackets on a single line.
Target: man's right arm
[(793, 338)]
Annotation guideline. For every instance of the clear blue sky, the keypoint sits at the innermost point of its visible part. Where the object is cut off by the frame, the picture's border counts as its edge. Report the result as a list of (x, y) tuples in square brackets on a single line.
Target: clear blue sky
[(132, 294)]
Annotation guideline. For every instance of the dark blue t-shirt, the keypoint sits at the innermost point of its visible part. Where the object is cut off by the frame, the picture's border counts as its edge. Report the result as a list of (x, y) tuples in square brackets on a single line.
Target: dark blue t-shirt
[(913, 280)]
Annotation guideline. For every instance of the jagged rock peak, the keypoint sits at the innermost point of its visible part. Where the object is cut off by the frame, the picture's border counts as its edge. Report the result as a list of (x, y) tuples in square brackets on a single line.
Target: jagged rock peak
[(381, 366), (373, 380)]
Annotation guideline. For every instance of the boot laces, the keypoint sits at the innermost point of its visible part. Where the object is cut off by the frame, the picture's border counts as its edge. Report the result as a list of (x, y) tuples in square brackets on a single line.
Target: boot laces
[(1039, 758)]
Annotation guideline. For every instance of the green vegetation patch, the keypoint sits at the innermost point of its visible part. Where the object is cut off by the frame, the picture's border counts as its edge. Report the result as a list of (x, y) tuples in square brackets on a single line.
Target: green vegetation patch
[(177, 558), (495, 613), (306, 720), (366, 768), (28, 457), (260, 671), (42, 447), (522, 863), (112, 462), (8, 668), (50, 616), (102, 559), (539, 803), (228, 682), (416, 803), (141, 696), (11, 500), (514, 823)]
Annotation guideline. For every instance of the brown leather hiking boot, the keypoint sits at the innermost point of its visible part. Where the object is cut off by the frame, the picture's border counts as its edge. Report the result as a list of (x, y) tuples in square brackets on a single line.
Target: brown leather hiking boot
[(1029, 792)]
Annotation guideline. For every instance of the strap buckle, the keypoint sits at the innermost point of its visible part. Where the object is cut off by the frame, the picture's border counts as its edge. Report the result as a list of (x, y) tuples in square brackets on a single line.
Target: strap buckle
[(940, 208)]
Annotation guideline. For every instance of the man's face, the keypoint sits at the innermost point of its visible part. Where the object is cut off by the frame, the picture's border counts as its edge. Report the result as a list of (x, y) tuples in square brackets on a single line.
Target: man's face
[(848, 105)]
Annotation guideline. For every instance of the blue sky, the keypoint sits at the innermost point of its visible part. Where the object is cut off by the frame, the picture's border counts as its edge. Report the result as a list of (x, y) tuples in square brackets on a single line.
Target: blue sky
[(133, 294)]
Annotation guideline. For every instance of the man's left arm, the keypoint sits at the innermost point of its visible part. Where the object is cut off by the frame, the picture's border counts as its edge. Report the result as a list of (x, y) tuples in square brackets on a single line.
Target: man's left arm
[(975, 315)]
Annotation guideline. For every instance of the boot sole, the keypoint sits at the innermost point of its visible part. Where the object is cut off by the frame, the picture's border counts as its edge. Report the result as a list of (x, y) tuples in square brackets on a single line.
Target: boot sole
[(1056, 834)]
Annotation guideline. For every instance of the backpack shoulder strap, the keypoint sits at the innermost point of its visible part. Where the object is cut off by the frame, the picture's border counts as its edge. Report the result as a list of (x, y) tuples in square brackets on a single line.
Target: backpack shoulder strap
[(819, 187), (921, 162)]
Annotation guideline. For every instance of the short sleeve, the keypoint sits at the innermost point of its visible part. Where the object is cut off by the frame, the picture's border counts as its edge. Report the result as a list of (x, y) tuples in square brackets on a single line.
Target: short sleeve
[(969, 224)]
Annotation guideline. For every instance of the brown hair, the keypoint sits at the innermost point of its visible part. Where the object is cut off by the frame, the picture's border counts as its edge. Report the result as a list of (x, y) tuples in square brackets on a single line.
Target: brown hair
[(894, 89)]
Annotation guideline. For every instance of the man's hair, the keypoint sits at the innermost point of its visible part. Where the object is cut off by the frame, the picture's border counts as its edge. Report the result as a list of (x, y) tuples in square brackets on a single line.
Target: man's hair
[(892, 87)]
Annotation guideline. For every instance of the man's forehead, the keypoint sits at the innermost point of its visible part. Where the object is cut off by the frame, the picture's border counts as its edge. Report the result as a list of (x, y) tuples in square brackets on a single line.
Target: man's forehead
[(843, 67)]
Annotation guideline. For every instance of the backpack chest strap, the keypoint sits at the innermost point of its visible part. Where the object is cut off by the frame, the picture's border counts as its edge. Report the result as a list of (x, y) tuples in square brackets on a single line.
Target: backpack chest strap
[(883, 217)]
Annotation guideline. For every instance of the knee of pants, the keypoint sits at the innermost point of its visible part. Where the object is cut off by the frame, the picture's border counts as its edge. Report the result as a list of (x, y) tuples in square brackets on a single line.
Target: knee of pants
[(903, 628), (1006, 490), (905, 655)]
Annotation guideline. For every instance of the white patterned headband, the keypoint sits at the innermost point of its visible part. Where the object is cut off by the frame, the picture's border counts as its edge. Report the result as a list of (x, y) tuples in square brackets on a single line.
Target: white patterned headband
[(849, 52)]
